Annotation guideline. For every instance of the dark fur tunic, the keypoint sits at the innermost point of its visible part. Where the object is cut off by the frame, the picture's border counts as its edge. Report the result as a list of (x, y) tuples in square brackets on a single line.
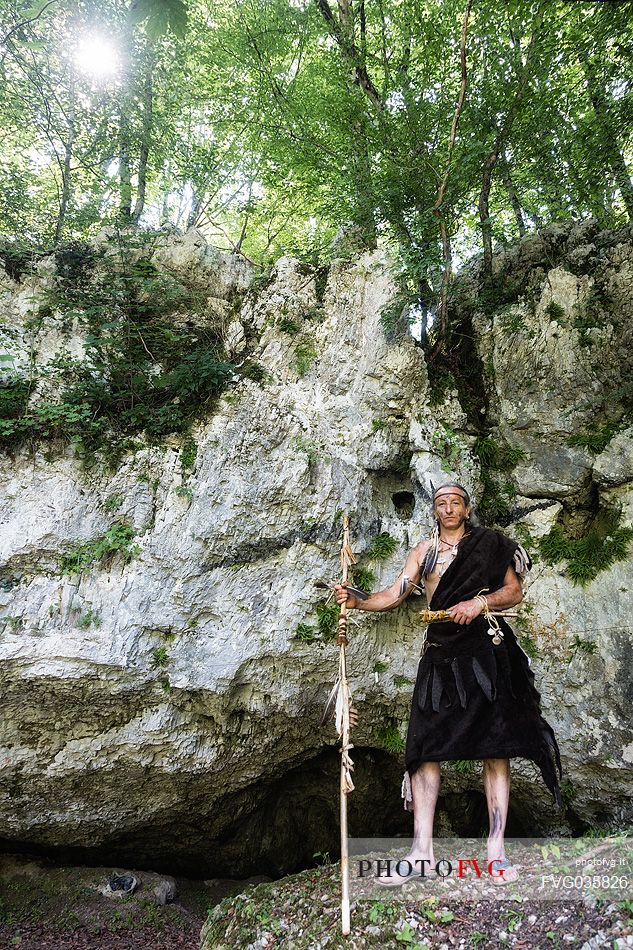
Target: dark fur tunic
[(474, 699)]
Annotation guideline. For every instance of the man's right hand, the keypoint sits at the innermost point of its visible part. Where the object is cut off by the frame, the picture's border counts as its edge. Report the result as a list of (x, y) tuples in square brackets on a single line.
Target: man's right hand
[(342, 596), (465, 611)]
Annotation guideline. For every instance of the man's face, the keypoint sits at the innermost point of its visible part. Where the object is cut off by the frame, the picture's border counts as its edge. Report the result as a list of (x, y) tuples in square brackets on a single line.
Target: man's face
[(451, 509)]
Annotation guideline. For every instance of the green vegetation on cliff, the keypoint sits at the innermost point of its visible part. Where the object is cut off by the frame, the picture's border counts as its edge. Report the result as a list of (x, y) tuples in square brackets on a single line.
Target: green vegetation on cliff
[(153, 356), (601, 546), (116, 541), (496, 462)]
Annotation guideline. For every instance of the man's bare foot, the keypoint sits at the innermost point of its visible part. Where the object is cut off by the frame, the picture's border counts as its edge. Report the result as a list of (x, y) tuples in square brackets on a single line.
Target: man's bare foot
[(503, 872), (410, 868)]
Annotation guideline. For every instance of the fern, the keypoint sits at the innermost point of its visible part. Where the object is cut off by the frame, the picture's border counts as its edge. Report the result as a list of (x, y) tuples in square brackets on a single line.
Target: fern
[(382, 547), (305, 632), (327, 616), (116, 540), (555, 312), (363, 578), (286, 325), (160, 658), (604, 544), (595, 440), (399, 680), (390, 739), (528, 644)]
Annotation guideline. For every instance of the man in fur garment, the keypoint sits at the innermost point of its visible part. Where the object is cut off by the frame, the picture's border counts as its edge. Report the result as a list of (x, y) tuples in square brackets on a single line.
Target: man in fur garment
[(474, 696)]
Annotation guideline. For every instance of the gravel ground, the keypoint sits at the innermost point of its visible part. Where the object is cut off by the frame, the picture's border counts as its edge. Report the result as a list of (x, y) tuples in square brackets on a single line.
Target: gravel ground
[(43, 907), (302, 912)]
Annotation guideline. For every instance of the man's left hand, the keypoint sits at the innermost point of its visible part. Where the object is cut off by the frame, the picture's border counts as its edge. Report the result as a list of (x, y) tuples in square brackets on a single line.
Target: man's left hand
[(465, 612)]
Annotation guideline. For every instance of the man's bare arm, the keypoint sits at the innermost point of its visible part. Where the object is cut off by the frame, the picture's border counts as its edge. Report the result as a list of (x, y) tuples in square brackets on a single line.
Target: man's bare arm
[(391, 596), (507, 596)]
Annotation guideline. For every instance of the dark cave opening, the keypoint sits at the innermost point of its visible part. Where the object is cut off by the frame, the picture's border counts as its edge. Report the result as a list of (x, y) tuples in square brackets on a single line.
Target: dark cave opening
[(288, 824)]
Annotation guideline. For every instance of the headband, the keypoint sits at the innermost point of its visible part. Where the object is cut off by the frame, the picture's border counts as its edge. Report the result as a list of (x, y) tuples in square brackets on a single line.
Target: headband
[(451, 490)]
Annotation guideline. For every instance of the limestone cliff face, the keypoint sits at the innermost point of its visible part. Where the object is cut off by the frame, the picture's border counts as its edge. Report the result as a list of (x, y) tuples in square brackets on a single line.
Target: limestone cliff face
[(163, 706)]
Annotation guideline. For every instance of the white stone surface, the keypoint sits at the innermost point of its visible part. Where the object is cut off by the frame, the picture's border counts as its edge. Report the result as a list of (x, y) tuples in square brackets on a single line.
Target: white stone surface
[(614, 466), (110, 741)]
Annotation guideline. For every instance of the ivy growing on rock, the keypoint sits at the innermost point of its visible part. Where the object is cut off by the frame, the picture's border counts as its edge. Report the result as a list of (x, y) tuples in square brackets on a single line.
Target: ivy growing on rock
[(382, 547), (363, 578), (305, 632), (389, 738), (327, 618), (304, 357)]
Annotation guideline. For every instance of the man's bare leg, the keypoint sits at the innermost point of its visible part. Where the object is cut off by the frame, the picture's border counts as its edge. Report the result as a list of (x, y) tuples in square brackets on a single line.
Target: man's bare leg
[(497, 788), (425, 786)]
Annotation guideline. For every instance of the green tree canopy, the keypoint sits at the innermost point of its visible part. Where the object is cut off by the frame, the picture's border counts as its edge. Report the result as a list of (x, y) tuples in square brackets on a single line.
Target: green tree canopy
[(276, 125)]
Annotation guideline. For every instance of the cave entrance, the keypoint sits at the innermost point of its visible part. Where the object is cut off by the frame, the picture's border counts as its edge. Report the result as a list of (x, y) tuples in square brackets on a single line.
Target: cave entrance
[(290, 823)]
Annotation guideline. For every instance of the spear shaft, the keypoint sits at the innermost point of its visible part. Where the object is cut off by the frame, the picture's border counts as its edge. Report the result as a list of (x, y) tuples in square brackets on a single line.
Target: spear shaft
[(341, 639)]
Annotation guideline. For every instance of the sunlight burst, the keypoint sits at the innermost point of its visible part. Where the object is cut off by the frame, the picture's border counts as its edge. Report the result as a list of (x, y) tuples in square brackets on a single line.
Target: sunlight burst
[(96, 56)]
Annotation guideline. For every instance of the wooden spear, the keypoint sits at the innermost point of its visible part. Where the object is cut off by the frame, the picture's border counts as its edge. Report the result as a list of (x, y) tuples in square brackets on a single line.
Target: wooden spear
[(347, 558), (340, 702)]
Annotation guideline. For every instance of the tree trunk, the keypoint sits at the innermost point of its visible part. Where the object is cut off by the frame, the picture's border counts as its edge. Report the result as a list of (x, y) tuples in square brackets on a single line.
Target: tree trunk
[(512, 195), (146, 139), (167, 185), (68, 154), (447, 256), (196, 207), (484, 211), (610, 145), (500, 140), (342, 29), (125, 176), (362, 162)]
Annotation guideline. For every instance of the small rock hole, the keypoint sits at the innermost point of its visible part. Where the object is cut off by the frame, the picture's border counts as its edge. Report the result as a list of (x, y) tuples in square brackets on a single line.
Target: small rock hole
[(404, 503)]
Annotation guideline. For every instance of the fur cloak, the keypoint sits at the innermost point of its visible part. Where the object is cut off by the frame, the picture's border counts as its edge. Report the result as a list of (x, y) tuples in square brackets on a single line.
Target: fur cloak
[(474, 699)]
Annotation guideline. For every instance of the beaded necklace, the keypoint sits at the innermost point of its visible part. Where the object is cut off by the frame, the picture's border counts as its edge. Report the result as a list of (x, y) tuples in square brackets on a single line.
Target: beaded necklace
[(451, 553)]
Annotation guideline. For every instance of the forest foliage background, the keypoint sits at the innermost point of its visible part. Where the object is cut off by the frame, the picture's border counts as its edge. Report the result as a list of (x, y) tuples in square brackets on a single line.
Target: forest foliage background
[(435, 126)]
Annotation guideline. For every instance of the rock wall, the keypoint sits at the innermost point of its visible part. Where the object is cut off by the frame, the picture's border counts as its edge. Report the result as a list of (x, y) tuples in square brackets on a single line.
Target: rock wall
[(165, 709)]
